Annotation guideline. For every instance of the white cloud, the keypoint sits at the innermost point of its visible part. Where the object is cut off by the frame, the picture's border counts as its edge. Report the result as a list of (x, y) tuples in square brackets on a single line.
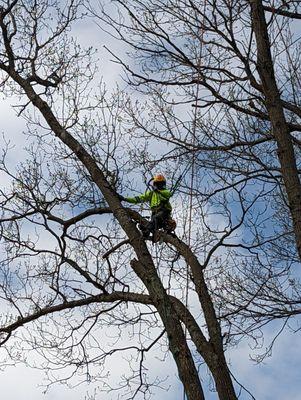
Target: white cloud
[(277, 379)]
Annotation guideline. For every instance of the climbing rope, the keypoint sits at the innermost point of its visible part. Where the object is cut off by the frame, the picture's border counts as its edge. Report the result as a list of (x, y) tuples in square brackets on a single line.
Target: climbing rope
[(192, 175)]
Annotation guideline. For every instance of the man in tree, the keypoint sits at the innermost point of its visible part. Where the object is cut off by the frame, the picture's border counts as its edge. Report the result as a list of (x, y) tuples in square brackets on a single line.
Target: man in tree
[(158, 199)]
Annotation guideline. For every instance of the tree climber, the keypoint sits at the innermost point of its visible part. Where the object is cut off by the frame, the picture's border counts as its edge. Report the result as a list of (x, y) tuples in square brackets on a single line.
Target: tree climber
[(158, 199)]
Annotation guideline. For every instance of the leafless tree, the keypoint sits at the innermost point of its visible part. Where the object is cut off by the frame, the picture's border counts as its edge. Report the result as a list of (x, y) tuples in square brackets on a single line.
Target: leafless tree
[(222, 85), (75, 262), (239, 59)]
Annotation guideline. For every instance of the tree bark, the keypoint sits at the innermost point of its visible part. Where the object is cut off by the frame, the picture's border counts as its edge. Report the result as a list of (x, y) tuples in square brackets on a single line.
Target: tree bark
[(275, 110), (214, 356)]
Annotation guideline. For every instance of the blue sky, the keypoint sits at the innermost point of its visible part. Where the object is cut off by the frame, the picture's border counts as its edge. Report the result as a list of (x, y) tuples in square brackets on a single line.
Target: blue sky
[(278, 378)]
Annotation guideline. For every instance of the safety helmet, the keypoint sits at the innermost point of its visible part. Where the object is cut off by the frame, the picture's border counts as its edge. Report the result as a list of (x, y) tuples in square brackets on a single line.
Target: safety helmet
[(159, 178)]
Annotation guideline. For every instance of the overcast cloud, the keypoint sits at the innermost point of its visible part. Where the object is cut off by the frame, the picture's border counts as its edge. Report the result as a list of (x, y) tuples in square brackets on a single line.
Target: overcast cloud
[(278, 378)]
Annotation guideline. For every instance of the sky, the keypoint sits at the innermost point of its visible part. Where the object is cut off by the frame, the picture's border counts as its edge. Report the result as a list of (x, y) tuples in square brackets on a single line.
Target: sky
[(277, 378)]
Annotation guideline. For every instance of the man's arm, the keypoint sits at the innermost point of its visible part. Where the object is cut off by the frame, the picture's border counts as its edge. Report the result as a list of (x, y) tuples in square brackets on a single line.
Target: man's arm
[(142, 198)]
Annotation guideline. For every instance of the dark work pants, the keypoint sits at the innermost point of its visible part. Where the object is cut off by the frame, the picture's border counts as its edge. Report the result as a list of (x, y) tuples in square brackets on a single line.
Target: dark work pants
[(158, 220)]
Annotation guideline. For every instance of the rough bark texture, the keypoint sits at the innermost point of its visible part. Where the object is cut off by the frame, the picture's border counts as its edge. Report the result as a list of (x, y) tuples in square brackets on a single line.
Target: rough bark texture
[(211, 350), (280, 127), (214, 355)]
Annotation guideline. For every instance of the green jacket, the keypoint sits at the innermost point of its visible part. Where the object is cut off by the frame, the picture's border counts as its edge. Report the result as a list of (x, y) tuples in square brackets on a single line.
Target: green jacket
[(156, 198)]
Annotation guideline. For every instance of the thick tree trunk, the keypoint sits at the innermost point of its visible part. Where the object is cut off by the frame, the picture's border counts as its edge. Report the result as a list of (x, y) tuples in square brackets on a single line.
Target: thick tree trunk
[(216, 362), (176, 338), (223, 381), (274, 107), (212, 350), (216, 359)]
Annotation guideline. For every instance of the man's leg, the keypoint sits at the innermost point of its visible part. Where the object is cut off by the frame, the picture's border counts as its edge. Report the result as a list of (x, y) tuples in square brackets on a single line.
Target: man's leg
[(159, 219)]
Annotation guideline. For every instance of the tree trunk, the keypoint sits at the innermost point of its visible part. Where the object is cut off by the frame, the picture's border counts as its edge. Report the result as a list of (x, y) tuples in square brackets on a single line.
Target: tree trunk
[(223, 381), (274, 107), (212, 350)]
